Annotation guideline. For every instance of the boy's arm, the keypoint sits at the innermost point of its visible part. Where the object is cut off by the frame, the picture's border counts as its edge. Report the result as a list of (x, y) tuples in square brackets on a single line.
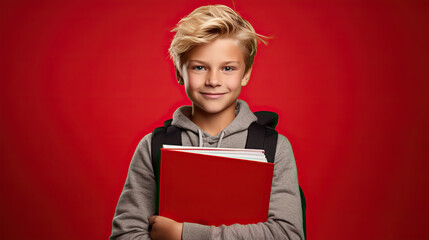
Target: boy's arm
[(285, 214), (137, 201)]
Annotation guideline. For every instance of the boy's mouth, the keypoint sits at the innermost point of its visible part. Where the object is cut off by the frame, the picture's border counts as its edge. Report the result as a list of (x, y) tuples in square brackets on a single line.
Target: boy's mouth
[(212, 95)]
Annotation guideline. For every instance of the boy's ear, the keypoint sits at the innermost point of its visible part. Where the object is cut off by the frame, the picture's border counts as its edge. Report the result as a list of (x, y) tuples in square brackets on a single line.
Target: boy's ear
[(179, 77), (246, 77)]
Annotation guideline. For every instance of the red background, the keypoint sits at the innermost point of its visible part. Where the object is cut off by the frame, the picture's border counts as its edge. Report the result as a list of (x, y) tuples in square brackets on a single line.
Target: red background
[(83, 82)]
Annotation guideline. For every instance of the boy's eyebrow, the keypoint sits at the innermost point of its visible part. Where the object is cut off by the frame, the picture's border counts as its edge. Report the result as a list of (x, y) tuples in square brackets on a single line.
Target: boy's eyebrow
[(202, 62)]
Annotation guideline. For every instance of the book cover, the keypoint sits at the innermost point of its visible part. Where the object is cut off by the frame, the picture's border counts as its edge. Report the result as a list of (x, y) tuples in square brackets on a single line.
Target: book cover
[(213, 190)]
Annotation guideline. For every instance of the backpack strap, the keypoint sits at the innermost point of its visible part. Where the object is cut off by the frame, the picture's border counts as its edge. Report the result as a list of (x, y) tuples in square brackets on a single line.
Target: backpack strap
[(303, 207), (261, 134), (168, 134), (269, 119), (262, 137)]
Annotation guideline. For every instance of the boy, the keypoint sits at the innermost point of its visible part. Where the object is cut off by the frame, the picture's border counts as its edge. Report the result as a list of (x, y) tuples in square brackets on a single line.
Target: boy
[(213, 52)]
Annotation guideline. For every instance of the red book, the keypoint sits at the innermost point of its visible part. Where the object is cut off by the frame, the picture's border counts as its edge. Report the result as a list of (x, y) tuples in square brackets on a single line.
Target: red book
[(213, 190)]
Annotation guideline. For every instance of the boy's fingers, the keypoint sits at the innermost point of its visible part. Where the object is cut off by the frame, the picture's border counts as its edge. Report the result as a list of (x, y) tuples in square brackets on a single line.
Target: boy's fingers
[(152, 219)]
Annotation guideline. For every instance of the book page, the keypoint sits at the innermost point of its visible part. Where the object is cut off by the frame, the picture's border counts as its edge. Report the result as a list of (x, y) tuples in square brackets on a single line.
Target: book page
[(244, 154)]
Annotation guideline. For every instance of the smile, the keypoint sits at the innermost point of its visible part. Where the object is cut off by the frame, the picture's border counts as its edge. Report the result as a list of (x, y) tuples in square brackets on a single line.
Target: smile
[(212, 95)]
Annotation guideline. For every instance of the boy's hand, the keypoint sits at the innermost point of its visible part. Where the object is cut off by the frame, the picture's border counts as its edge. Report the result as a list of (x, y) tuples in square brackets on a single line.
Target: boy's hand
[(165, 228)]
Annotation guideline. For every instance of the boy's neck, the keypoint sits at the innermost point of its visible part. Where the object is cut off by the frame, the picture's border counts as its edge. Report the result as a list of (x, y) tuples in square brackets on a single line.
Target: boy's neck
[(213, 123)]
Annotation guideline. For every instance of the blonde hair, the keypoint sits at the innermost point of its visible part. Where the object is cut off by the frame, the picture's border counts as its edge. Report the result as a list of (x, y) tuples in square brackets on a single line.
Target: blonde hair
[(204, 25)]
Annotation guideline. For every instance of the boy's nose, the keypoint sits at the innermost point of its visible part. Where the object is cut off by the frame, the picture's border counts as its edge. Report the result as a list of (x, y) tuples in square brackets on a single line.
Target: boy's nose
[(213, 79)]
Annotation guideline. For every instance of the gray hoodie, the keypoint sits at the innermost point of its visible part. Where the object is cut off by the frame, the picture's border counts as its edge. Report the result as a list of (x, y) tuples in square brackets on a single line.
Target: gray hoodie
[(137, 201)]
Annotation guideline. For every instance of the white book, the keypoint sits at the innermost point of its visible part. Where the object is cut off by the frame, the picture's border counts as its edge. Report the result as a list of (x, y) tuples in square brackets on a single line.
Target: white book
[(244, 154)]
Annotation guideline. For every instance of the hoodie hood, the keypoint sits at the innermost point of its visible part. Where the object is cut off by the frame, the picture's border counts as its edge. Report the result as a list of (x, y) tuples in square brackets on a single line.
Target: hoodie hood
[(243, 118)]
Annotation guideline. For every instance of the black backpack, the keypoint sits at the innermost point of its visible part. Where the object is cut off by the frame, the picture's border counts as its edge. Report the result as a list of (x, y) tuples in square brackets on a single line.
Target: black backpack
[(261, 135)]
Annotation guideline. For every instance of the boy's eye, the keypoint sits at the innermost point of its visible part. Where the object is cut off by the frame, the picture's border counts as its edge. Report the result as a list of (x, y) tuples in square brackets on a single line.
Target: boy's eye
[(228, 68), (198, 68)]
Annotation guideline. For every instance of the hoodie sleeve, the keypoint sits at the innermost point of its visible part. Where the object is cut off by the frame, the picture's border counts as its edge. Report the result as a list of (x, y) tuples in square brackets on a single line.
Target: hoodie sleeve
[(137, 201), (285, 214)]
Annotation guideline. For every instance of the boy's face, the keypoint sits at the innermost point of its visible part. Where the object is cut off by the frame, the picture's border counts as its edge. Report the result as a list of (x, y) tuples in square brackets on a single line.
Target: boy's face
[(214, 74)]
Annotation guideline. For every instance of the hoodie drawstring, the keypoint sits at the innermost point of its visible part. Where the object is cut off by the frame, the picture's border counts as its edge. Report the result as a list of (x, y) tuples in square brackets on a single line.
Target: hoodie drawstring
[(200, 138), (220, 139)]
